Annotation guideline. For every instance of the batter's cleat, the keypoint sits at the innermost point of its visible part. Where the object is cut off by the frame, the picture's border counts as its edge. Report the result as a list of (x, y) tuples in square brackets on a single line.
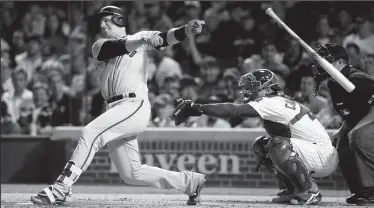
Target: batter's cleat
[(310, 197), (283, 196), (197, 183), (55, 194)]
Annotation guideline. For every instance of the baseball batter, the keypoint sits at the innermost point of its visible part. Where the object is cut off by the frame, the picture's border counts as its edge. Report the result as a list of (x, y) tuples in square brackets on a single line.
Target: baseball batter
[(298, 145), (121, 65)]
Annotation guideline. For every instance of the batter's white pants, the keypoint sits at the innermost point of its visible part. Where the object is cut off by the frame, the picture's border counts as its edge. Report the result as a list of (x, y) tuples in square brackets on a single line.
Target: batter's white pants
[(118, 127), (320, 157)]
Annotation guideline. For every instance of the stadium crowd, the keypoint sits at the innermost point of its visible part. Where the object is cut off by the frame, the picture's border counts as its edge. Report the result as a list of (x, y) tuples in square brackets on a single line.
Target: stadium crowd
[(48, 77)]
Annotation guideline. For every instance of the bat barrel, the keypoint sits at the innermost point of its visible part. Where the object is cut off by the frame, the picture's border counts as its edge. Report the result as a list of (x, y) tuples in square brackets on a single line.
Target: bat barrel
[(339, 77)]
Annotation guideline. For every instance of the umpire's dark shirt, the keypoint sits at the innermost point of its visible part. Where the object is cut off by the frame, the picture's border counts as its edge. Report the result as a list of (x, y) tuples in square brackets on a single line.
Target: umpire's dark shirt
[(355, 105)]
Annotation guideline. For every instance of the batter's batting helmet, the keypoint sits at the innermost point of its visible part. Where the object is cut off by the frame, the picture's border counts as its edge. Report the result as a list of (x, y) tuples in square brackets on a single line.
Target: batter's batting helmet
[(118, 15)]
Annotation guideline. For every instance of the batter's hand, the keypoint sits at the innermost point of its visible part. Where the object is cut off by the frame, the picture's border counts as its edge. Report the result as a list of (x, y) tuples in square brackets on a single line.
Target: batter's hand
[(155, 41), (194, 27)]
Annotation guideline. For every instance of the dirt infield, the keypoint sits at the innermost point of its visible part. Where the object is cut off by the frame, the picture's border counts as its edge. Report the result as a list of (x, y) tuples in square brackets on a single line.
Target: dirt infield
[(126, 196)]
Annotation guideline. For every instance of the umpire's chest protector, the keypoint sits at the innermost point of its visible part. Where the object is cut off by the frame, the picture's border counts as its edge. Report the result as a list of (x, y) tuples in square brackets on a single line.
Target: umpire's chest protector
[(355, 105)]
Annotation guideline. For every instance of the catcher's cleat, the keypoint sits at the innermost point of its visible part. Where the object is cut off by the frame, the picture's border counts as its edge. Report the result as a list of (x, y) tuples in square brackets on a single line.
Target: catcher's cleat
[(310, 197), (283, 196), (198, 181), (55, 194)]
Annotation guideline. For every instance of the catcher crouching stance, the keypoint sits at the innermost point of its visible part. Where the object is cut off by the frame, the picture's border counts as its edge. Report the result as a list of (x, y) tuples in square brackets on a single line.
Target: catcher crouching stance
[(298, 146)]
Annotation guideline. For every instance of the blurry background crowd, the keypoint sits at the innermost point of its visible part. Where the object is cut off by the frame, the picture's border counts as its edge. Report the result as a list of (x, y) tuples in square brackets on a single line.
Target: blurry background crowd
[(48, 78)]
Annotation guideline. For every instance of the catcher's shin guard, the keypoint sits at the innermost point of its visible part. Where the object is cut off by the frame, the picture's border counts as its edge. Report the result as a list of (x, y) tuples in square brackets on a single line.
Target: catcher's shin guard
[(259, 147), (287, 162)]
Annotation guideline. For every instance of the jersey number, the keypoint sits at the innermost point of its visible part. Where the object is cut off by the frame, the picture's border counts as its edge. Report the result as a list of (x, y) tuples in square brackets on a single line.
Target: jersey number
[(303, 111)]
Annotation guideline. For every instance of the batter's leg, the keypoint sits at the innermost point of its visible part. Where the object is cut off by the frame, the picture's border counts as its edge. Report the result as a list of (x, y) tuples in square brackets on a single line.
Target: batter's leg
[(108, 126), (125, 155)]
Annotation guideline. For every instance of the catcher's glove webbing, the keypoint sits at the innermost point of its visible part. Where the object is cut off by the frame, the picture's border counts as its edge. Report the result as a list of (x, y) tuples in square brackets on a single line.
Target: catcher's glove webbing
[(185, 109)]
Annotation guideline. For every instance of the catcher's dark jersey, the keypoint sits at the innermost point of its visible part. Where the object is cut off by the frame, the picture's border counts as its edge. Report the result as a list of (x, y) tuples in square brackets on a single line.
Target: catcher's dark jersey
[(355, 105)]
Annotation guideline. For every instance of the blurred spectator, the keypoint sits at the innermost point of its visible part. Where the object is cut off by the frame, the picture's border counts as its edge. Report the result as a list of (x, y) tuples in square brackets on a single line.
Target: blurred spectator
[(5, 51), (324, 31), (15, 98), (306, 94), (8, 25), (191, 11), (8, 126), (156, 16), (163, 107), (6, 71), (354, 54), (364, 38), (230, 79), (18, 42), (208, 121), (273, 60), (76, 18), (220, 8), (367, 64), (65, 107), (252, 63), (167, 73), (250, 40), (328, 116), (33, 22), (25, 116), (344, 20), (209, 72), (42, 113), (54, 34), (189, 88), (31, 59), (212, 22), (294, 54)]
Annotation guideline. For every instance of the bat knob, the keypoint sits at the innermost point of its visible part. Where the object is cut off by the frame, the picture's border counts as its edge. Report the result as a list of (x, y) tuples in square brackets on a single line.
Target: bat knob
[(268, 10)]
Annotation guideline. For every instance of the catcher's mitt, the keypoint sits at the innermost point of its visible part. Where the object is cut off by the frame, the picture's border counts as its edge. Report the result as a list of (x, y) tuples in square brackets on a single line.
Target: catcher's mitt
[(185, 109)]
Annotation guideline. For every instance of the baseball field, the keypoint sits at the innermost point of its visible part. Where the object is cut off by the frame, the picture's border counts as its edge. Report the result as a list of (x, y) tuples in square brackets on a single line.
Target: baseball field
[(129, 196)]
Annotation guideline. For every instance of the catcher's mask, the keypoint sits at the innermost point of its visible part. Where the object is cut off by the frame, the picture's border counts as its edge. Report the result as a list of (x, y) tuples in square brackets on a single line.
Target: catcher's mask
[(118, 15), (331, 52), (253, 82)]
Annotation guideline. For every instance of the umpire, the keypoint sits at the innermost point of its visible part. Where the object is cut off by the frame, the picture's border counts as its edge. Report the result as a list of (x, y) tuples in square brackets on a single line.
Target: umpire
[(355, 139)]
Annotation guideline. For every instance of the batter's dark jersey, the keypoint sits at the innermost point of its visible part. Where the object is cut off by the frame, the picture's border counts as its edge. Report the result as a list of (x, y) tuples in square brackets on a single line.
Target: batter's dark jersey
[(355, 105)]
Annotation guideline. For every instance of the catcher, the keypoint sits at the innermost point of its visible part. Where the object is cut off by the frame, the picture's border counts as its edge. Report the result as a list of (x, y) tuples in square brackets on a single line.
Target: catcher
[(298, 145)]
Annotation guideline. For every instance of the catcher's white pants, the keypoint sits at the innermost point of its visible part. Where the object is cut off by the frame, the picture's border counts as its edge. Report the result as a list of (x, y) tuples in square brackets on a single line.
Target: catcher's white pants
[(118, 127), (319, 157)]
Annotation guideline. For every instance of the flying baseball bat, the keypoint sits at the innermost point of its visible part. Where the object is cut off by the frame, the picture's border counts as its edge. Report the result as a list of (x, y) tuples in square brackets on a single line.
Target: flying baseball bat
[(339, 77)]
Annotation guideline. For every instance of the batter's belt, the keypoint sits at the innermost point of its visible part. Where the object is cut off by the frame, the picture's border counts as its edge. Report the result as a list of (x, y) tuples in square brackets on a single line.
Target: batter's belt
[(120, 97)]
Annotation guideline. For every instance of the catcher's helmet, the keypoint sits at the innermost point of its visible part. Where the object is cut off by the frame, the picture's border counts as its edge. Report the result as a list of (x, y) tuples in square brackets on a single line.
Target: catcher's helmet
[(253, 82), (331, 52), (118, 15)]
